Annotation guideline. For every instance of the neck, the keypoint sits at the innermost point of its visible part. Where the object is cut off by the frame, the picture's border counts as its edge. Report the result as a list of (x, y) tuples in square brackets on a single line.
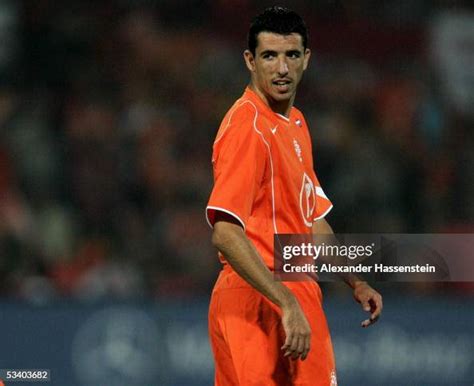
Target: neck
[(279, 107)]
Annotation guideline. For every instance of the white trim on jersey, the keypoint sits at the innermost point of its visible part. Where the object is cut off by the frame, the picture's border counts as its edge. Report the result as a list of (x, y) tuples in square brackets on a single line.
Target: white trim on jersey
[(271, 164), (307, 187), (225, 211), (282, 116), (236, 106), (320, 192), (324, 214)]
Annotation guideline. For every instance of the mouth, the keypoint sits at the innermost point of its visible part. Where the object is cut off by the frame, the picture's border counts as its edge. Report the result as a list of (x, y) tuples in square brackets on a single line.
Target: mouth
[(282, 85)]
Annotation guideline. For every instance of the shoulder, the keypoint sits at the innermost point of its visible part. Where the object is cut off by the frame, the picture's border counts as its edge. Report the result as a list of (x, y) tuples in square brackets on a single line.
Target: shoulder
[(242, 110), (240, 119), (297, 112), (298, 116), (300, 120)]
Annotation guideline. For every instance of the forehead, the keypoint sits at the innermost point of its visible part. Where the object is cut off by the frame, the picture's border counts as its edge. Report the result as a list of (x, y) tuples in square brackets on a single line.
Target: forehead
[(276, 42)]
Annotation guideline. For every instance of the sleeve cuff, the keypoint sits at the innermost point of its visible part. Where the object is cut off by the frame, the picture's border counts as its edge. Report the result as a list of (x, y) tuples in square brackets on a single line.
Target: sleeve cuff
[(324, 214), (211, 211)]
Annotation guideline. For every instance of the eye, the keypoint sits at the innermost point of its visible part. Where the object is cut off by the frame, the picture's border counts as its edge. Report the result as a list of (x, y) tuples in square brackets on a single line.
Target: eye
[(294, 54), (268, 55)]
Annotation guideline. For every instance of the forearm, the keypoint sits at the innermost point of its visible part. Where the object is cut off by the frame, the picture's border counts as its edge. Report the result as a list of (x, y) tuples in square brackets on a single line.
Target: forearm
[(322, 227), (240, 253)]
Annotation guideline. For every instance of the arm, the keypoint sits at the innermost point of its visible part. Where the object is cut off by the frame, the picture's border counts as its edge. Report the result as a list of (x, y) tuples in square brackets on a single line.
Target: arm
[(230, 239), (370, 299)]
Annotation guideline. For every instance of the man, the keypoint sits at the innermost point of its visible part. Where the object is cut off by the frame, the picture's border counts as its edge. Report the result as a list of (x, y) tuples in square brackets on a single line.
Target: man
[(265, 332)]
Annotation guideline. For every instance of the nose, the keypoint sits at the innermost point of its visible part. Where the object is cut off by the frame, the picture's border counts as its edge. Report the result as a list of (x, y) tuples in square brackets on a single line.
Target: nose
[(282, 67)]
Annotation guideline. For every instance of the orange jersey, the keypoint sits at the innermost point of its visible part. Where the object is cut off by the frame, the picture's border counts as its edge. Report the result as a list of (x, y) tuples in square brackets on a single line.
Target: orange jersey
[(263, 173), (263, 176)]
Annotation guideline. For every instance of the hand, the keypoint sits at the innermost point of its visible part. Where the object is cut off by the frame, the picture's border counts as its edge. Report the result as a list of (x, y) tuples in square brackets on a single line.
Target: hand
[(370, 300), (297, 330)]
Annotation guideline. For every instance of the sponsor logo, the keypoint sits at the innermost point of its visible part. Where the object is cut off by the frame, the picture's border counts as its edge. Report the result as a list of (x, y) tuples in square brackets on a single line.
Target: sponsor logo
[(297, 149), (274, 130), (307, 200)]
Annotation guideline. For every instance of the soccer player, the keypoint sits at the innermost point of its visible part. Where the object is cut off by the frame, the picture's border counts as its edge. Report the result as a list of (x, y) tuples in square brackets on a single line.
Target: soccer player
[(265, 332)]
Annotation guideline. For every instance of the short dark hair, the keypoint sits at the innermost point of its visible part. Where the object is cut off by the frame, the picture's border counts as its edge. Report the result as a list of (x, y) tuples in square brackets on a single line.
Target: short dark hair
[(279, 20)]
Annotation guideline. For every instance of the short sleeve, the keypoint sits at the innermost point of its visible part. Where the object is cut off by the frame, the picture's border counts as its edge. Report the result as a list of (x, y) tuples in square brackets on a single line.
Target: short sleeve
[(323, 204), (239, 159)]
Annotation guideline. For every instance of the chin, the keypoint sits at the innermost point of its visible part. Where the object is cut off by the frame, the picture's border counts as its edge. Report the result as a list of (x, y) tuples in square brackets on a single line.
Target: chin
[(282, 97)]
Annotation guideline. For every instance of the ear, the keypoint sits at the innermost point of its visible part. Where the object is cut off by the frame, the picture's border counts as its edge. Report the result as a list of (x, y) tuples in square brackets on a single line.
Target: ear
[(307, 54), (249, 60)]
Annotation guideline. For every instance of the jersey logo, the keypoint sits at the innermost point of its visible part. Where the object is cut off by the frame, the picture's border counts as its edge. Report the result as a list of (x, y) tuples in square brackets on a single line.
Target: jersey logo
[(298, 122), (297, 149), (274, 130), (307, 200)]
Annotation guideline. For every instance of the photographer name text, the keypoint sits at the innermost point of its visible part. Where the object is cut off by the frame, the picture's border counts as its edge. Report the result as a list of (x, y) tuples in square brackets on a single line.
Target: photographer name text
[(376, 268)]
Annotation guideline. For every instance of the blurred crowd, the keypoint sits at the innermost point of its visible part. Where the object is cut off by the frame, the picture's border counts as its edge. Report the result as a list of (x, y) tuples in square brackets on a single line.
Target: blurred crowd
[(108, 112)]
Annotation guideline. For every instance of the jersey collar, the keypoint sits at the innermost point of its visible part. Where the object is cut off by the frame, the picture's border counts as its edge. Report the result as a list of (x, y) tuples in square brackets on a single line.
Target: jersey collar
[(254, 97)]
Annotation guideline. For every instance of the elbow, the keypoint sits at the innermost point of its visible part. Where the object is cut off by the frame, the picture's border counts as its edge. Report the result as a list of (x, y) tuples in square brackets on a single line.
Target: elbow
[(219, 235), (216, 238), (322, 227)]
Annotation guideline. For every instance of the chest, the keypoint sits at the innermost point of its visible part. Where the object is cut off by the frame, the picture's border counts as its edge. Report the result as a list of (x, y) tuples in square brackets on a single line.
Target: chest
[(291, 153)]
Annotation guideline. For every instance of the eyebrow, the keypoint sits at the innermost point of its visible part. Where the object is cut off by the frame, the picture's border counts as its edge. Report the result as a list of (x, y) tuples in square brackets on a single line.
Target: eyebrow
[(266, 52), (273, 52)]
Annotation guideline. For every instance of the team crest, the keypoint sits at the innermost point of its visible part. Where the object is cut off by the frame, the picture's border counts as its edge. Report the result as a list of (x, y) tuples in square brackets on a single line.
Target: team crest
[(307, 200), (297, 149)]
